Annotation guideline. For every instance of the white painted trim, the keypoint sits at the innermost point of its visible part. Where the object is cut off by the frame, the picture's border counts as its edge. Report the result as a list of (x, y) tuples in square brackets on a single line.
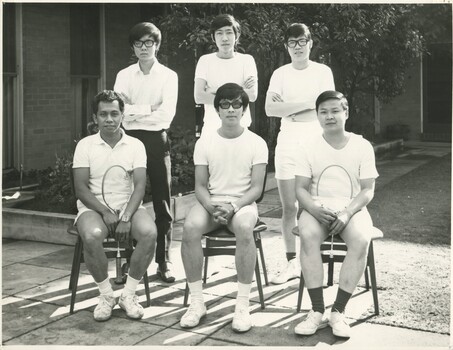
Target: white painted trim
[(103, 79), (19, 99), (421, 94)]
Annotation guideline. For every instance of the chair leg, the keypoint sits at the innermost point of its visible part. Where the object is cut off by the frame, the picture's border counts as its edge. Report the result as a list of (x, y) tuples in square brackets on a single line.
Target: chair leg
[(373, 278), (258, 282), (367, 278), (205, 267), (186, 295), (301, 292), (76, 270), (259, 244), (146, 283), (74, 262)]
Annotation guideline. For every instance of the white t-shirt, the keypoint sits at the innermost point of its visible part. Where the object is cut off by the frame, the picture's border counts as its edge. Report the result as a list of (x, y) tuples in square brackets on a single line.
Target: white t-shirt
[(230, 161), (336, 173), (94, 153), (300, 85), (218, 71)]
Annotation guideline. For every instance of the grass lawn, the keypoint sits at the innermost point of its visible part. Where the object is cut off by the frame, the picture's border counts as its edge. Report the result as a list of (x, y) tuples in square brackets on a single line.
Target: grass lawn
[(413, 259)]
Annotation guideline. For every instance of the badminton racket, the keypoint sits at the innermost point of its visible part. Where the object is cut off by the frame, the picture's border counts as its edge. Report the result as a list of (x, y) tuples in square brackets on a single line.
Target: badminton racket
[(117, 186), (334, 191)]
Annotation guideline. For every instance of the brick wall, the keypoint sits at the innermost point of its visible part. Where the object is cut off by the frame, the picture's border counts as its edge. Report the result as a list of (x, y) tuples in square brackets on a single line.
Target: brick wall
[(47, 93), (406, 108)]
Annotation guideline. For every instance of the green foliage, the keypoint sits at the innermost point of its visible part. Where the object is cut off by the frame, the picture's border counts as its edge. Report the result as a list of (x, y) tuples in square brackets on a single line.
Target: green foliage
[(55, 183), (182, 167), (368, 46)]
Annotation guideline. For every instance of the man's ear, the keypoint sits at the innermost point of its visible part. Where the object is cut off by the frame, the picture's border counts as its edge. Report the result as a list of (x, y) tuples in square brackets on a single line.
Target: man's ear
[(212, 38), (95, 118), (346, 113), (237, 38), (311, 44)]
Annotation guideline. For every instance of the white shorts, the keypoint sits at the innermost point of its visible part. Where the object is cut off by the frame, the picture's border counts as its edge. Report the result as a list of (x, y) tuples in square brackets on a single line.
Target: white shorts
[(251, 209), (289, 142), (120, 204)]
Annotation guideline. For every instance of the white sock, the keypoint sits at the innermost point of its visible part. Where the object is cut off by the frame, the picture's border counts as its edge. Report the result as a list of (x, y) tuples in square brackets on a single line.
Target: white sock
[(105, 288), (196, 291), (130, 286), (243, 293)]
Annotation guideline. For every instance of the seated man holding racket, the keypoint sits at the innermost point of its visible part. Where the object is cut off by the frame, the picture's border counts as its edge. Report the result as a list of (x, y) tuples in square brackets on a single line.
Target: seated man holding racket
[(109, 179), (335, 178), (230, 166)]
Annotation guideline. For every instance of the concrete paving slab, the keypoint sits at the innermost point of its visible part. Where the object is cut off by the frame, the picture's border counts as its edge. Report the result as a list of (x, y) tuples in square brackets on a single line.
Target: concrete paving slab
[(61, 259), (81, 329), (173, 337), (19, 277), (391, 337), (20, 316), (20, 251), (211, 341)]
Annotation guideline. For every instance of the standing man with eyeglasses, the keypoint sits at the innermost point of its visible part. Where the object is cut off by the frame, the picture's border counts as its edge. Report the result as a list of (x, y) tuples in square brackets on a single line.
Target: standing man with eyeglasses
[(291, 96), (150, 93), (230, 166)]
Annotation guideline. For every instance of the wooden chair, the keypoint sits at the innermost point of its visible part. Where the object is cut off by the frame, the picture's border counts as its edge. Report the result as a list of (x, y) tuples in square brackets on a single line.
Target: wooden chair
[(339, 253), (223, 242), (110, 249)]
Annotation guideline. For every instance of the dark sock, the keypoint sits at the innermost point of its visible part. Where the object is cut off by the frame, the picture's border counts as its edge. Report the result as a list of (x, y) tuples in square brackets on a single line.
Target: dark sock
[(290, 256), (317, 299), (341, 300)]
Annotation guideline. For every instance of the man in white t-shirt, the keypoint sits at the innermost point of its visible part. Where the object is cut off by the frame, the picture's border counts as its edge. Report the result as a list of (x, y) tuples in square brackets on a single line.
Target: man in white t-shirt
[(335, 179), (224, 66), (291, 96), (94, 155), (229, 175)]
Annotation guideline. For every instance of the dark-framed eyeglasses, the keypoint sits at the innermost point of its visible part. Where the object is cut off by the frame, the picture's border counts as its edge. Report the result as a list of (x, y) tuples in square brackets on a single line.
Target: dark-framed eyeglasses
[(293, 43), (139, 43), (225, 104)]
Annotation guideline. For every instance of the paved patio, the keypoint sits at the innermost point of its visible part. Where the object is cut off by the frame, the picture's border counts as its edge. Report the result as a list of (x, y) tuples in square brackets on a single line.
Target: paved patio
[(35, 305)]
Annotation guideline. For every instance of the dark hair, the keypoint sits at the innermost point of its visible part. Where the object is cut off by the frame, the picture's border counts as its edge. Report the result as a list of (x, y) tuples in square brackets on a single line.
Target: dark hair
[(223, 21), (332, 95), (106, 96), (230, 91), (297, 29), (142, 29)]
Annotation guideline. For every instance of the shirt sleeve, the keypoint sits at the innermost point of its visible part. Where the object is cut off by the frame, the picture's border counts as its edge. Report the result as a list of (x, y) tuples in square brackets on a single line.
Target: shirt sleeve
[(275, 84), (139, 155), (201, 69), (368, 163), (303, 166), (81, 159), (199, 154), (261, 155), (327, 82), (131, 112), (250, 67)]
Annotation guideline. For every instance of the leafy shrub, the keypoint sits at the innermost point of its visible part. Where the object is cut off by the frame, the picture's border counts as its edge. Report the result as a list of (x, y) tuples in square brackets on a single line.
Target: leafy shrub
[(55, 183), (182, 168)]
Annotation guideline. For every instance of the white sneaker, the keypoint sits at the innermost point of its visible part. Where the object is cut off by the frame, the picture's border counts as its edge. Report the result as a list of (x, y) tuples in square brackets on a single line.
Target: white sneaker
[(291, 272), (103, 310), (129, 303), (242, 322), (314, 321), (193, 315), (340, 327)]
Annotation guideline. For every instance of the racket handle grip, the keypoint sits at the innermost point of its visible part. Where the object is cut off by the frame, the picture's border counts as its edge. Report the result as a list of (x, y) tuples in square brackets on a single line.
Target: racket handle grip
[(119, 273)]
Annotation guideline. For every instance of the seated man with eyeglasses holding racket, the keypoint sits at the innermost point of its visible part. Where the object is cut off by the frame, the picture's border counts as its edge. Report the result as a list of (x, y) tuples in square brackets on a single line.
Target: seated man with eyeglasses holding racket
[(109, 179), (335, 179), (230, 166)]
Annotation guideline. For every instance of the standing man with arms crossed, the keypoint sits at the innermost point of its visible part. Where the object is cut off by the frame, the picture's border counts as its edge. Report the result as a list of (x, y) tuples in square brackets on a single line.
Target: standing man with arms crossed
[(332, 162), (230, 167), (93, 156), (150, 92), (291, 96)]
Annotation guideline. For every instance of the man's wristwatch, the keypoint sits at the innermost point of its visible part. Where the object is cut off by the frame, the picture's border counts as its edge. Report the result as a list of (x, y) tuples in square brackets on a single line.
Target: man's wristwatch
[(235, 207), (126, 217)]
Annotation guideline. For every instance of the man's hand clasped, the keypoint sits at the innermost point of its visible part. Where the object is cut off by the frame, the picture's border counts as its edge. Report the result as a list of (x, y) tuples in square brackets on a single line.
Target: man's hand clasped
[(222, 212), (335, 221), (117, 229)]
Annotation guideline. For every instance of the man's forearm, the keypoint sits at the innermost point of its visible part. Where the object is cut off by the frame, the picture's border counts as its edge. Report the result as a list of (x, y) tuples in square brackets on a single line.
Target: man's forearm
[(360, 201), (284, 109)]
